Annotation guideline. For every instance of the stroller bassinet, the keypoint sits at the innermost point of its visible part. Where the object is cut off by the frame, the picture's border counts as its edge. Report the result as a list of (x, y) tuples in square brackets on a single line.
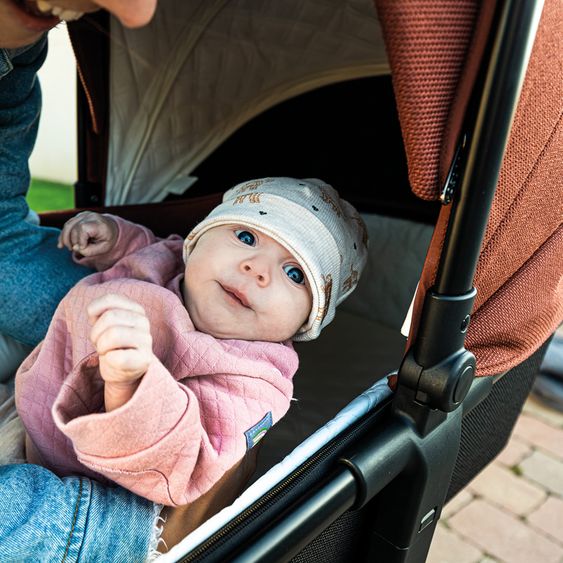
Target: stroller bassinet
[(372, 482)]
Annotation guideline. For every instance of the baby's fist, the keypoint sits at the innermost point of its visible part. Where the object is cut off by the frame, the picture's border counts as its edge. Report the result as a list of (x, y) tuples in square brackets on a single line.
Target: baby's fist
[(121, 335), (89, 234)]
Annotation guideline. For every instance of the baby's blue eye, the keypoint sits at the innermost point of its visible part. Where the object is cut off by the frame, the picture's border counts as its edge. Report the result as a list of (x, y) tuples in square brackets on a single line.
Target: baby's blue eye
[(246, 237), (295, 274)]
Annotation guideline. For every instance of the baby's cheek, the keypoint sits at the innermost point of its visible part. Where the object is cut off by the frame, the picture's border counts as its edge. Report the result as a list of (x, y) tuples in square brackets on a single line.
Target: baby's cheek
[(296, 310), (307, 304)]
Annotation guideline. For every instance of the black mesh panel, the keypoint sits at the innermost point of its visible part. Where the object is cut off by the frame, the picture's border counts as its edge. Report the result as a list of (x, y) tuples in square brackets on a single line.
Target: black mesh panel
[(339, 543), (486, 429)]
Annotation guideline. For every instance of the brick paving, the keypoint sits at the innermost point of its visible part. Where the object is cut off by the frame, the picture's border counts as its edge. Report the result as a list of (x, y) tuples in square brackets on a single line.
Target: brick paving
[(512, 512)]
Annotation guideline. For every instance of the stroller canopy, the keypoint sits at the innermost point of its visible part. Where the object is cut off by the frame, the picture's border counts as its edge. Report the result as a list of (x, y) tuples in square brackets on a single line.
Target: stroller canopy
[(200, 70)]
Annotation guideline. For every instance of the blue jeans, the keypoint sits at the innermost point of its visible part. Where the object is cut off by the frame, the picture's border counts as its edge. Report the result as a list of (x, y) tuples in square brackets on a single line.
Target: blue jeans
[(34, 274), (44, 518)]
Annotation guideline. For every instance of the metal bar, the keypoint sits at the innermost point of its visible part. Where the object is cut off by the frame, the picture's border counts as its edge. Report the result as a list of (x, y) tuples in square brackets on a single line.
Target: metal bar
[(510, 53)]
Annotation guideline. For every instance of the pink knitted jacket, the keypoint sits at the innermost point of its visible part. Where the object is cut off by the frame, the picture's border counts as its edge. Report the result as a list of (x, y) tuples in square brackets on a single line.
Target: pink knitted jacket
[(198, 408)]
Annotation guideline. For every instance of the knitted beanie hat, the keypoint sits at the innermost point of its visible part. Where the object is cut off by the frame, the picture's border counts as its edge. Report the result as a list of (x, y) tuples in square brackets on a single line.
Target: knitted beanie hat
[(325, 234)]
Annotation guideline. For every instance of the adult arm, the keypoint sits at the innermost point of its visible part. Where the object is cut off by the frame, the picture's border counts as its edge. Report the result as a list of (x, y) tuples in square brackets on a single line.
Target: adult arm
[(45, 518), (35, 273)]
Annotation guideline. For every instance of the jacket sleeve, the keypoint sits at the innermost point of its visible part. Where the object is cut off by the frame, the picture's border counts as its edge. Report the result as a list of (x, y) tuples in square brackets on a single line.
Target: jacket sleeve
[(131, 237), (171, 441)]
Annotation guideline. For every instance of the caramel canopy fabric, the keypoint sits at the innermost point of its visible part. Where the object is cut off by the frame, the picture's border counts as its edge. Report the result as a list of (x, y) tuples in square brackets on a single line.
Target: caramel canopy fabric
[(519, 277)]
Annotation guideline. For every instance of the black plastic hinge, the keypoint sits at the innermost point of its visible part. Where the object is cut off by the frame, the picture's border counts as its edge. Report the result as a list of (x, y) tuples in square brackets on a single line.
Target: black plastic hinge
[(437, 371)]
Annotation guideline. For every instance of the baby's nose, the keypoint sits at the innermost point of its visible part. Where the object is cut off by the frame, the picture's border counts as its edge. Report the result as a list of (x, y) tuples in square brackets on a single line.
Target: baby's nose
[(258, 269)]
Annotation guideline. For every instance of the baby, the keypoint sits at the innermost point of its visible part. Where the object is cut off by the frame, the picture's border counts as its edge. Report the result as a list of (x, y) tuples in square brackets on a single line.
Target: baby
[(160, 371)]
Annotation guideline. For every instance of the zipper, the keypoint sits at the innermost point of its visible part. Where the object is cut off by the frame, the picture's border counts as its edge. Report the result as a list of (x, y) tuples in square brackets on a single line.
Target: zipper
[(287, 484)]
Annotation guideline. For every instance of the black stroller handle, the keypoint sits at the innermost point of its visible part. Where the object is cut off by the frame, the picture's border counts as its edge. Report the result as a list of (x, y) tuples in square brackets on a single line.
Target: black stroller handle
[(438, 370), (483, 144)]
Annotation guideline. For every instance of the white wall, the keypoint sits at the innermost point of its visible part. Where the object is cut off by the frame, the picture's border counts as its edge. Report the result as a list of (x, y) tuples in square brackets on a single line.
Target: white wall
[(54, 156)]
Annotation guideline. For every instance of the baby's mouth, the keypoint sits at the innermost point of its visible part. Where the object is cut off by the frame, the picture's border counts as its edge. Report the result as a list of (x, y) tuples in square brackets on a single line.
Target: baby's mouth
[(236, 296), (45, 9)]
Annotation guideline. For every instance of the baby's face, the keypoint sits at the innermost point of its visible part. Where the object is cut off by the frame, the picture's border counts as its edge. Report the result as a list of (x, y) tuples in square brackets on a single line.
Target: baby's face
[(240, 283)]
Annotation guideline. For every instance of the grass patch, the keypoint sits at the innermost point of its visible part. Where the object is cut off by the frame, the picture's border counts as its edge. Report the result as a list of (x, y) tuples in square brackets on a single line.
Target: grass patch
[(49, 196)]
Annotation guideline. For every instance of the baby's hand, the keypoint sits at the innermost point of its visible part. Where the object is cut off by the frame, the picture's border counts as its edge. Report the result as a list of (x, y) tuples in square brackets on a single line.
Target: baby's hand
[(121, 335), (89, 234)]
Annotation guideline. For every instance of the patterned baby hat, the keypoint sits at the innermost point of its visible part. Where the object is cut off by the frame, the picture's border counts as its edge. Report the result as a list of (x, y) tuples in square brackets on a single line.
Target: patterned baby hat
[(325, 234)]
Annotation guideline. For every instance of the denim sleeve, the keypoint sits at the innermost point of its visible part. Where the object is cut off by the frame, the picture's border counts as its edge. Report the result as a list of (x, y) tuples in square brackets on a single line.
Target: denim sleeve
[(35, 273), (44, 518)]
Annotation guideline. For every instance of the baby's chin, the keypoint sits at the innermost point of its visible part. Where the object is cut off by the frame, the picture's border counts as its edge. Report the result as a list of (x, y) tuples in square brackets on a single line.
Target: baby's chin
[(217, 329), (222, 332)]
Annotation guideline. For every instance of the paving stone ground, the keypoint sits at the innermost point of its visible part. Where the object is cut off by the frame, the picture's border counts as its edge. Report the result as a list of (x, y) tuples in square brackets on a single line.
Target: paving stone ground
[(512, 512)]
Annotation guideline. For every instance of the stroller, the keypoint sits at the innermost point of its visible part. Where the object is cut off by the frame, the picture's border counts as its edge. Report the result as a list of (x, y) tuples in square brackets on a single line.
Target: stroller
[(361, 472)]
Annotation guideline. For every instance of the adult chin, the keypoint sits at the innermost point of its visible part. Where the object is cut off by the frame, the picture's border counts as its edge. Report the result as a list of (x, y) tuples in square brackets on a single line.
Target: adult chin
[(19, 27), (133, 13)]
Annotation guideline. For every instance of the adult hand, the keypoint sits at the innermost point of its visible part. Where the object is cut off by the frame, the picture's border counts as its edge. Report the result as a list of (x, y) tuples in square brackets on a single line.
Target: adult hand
[(121, 335), (89, 234)]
